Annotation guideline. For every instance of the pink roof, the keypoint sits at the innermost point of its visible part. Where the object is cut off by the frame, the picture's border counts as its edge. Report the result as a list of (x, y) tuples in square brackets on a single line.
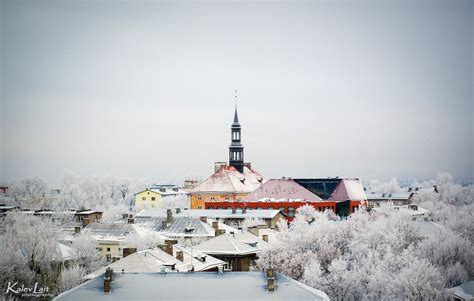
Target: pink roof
[(349, 189), (228, 179), (282, 189)]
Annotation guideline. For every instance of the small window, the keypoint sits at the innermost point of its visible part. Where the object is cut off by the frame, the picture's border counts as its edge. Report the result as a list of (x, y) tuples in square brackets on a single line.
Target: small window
[(282, 209), (109, 257), (152, 198), (143, 198), (291, 212), (108, 249), (199, 197), (259, 208), (270, 208), (199, 207), (226, 197), (220, 207), (212, 198), (99, 249)]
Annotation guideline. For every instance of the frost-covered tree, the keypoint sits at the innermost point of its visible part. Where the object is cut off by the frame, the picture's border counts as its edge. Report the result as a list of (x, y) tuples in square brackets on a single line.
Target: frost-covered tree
[(85, 247), (29, 193)]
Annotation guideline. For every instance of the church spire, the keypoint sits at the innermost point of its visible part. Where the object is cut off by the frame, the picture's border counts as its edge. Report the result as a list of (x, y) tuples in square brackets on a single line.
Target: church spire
[(236, 149)]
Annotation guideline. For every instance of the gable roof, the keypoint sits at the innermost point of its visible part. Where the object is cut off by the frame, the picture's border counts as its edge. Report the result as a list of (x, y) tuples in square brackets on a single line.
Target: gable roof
[(179, 226), (226, 244), (282, 189), (349, 189), (227, 179)]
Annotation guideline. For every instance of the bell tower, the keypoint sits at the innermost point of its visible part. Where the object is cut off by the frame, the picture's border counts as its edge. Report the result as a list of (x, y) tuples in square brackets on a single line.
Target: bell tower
[(236, 149)]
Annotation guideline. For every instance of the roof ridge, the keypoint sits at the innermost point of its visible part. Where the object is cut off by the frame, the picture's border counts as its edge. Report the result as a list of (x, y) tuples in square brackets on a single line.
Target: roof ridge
[(232, 243)]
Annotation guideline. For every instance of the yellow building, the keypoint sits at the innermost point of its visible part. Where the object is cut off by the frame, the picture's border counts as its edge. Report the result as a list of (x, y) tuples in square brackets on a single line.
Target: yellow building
[(153, 198)]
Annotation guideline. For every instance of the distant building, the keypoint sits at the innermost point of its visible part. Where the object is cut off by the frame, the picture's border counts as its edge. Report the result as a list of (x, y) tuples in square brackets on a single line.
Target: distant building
[(155, 196), (230, 182), (397, 198), (3, 189), (342, 195), (88, 216)]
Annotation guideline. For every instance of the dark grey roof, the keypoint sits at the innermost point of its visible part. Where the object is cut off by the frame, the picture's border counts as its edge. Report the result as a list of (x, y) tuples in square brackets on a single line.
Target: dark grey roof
[(195, 286)]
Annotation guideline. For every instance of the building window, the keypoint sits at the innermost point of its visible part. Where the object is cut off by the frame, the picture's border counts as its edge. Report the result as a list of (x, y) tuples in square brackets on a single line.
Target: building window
[(291, 212), (108, 249), (270, 208), (210, 207), (282, 209), (259, 208), (212, 198), (99, 249), (143, 198), (152, 198), (152, 205), (199, 197), (109, 257), (199, 207), (220, 207), (226, 197)]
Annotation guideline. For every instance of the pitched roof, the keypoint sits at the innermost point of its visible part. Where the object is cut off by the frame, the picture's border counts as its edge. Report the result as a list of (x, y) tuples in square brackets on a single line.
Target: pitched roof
[(228, 179), (349, 189), (193, 286), (226, 244), (282, 189), (152, 260), (211, 213), (179, 226)]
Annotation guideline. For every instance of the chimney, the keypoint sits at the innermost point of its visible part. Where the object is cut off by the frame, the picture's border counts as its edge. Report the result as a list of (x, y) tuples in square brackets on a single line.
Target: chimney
[(131, 220), (234, 210), (86, 221), (219, 232), (178, 210), (106, 285), (179, 255), (109, 273), (163, 225), (130, 215), (215, 225), (77, 230), (244, 210), (203, 219), (270, 280), (265, 237), (169, 246), (169, 215), (220, 270), (124, 215)]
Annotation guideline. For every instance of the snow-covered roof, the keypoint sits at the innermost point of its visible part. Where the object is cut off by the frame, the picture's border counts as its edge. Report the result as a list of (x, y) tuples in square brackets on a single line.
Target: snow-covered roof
[(428, 228), (227, 179), (181, 226), (226, 244), (349, 189), (464, 291), (281, 189), (408, 209), (250, 239), (87, 212), (193, 286), (212, 213), (388, 196), (152, 260), (66, 252)]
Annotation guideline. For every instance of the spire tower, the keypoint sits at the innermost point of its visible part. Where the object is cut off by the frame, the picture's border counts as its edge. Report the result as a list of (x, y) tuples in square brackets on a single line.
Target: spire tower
[(236, 149)]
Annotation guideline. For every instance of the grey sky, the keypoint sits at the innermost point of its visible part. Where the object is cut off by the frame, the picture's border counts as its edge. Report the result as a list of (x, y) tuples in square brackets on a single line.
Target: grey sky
[(351, 88)]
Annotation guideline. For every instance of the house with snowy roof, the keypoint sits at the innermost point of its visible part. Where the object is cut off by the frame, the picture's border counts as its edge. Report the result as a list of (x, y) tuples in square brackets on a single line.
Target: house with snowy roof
[(237, 254), (157, 195), (230, 182)]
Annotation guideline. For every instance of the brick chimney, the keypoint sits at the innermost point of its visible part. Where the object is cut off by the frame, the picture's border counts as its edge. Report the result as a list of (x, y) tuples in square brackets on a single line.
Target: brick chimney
[(265, 237), (219, 232), (131, 220), (163, 225), (179, 255), (109, 273), (203, 219), (270, 280), (77, 230), (106, 284), (128, 251), (169, 216), (124, 215), (215, 225)]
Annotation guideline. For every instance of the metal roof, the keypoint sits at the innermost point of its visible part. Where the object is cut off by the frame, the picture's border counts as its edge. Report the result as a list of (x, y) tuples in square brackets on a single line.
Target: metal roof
[(193, 286)]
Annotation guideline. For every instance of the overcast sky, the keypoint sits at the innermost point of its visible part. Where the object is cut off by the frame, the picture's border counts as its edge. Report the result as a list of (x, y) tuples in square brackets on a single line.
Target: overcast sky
[(375, 89)]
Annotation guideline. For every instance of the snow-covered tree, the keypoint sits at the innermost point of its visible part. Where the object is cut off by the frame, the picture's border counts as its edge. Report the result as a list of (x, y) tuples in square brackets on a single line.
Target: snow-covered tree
[(85, 247)]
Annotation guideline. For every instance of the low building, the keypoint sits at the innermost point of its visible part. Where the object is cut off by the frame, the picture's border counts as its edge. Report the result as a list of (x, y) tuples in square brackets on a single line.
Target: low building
[(233, 216), (397, 198), (342, 195), (177, 259), (463, 292), (88, 216), (193, 286), (156, 196), (415, 211), (238, 255)]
